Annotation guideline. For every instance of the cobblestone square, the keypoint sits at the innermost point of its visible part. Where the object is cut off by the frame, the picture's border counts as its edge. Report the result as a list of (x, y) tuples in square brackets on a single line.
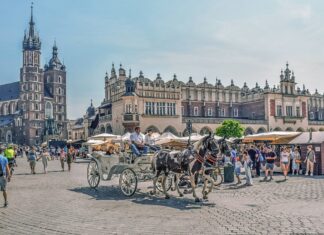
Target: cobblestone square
[(62, 203)]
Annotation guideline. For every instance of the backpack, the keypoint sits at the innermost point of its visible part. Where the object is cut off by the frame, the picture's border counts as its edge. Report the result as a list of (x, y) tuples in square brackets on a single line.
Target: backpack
[(31, 156), (1, 170)]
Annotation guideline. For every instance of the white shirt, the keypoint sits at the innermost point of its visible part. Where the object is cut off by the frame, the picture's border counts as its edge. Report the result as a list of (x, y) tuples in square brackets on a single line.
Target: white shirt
[(149, 140), (284, 157), (137, 138)]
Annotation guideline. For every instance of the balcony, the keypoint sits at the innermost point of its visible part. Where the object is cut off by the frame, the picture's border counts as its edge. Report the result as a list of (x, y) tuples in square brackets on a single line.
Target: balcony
[(105, 118), (290, 119), (159, 116), (129, 117), (219, 120), (315, 122)]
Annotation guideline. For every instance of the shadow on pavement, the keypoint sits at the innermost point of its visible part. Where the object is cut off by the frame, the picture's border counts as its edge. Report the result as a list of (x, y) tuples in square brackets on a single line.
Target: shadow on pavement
[(236, 186), (39, 173), (113, 193)]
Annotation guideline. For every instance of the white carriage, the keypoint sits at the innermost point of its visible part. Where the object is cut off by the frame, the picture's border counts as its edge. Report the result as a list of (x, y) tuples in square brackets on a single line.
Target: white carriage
[(130, 169)]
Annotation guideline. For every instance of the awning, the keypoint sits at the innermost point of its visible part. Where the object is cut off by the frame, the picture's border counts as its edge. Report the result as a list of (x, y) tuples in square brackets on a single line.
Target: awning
[(276, 137)]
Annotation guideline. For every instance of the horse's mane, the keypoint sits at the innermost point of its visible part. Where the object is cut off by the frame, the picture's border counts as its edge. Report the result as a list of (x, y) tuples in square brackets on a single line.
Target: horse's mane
[(197, 145)]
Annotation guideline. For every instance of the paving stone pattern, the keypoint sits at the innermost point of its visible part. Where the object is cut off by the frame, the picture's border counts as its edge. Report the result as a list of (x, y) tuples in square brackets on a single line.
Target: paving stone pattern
[(62, 203)]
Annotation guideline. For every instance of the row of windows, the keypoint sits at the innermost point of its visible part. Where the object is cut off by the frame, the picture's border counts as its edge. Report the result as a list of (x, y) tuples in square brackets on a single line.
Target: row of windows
[(211, 112), (160, 108), (59, 99), (129, 108), (31, 87), (38, 116), (312, 115), (289, 111), (32, 96), (162, 95), (208, 96), (8, 108), (57, 80)]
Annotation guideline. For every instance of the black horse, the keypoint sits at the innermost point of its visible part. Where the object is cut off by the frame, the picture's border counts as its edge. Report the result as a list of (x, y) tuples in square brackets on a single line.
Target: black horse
[(190, 162)]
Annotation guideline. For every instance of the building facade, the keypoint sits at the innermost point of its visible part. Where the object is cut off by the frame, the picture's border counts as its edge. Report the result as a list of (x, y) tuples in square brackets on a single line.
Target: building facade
[(168, 105), (34, 108)]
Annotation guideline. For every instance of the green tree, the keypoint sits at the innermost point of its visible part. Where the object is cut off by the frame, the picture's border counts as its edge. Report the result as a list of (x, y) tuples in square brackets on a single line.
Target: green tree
[(230, 128)]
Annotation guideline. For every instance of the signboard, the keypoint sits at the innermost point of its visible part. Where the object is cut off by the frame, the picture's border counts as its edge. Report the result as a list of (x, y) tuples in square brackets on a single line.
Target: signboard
[(317, 149)]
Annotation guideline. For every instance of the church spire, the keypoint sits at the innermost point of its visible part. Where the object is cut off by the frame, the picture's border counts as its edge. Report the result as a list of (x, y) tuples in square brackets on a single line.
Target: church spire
[(54, 49), (31, 22), (31, 40)]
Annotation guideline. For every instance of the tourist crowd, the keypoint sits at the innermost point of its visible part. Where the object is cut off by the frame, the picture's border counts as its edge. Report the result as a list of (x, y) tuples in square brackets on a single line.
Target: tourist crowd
[(8, 155), (257, 159)]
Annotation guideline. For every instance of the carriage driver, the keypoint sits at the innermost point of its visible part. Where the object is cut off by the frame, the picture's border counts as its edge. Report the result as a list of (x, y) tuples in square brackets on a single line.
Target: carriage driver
[(138, 146)]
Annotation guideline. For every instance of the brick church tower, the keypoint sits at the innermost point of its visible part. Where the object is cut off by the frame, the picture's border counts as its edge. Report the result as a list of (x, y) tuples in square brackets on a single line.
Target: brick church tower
[(32, 86), (42, 92)]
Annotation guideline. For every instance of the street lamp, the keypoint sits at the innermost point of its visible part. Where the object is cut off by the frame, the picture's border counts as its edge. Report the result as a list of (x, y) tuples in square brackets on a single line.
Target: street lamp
[(189, 129)]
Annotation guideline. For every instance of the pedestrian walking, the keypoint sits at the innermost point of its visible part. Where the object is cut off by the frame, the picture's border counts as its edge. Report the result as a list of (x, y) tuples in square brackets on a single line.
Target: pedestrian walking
[(270, 157), (237, 170), (45, 155), (69, 158), (253, 157), (310, 160), (62, 158), (4, 176), (296, 160), (247, 167), (284, 161), (31, 158)]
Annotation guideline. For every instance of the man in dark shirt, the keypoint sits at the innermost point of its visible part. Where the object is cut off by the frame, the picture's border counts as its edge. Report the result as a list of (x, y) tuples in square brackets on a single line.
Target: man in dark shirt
[(270, 157), (253, 156)]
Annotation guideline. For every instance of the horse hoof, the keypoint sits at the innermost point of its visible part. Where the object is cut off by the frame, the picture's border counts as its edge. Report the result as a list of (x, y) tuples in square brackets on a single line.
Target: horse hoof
[(180, 195), (167, 197), (197, 199)]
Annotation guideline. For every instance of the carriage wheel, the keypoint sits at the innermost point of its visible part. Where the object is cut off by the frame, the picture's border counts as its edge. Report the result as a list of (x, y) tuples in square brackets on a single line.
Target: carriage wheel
[(128, 182), (217, 176), (93, 175), (168, 183)]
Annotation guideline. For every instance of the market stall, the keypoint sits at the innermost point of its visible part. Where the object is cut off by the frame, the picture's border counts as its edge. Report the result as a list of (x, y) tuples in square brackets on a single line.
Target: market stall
[(316, 140)]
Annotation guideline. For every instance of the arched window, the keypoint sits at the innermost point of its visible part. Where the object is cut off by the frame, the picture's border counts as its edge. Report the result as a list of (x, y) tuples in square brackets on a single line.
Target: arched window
[(48, 110), (59, 79)]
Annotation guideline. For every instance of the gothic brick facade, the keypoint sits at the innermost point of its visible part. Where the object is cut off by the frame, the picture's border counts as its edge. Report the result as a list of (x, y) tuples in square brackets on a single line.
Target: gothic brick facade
[(34, 108)]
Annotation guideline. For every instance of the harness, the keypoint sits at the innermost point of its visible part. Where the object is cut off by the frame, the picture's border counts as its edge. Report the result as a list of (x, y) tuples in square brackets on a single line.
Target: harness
[(199, 158), (211, 158)]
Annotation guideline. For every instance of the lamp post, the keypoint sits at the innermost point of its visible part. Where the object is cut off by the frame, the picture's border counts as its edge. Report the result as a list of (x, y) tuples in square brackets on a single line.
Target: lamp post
[(189, 128)]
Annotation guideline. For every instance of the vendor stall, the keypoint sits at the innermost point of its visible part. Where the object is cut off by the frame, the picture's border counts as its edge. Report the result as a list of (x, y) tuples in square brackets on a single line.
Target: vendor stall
[(275, 137), (316, 140)]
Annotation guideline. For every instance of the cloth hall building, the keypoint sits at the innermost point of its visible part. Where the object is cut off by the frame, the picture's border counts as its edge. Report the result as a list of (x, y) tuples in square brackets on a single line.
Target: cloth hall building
[(34, 108), (167, 105)]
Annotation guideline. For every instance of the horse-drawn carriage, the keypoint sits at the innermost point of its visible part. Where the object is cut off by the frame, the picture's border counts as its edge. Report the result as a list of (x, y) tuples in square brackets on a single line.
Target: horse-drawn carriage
[(132, 169)]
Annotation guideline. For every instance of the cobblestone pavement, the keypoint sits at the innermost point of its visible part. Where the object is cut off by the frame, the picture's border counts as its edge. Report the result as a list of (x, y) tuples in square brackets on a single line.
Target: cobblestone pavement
[(62, 203)]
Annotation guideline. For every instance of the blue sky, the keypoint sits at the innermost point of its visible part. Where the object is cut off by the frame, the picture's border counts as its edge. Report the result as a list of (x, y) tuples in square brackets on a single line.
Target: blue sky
[(244, 40)]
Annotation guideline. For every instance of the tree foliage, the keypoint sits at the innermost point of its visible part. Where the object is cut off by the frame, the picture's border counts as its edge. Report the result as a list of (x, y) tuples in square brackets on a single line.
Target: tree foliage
[(230, 128)]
